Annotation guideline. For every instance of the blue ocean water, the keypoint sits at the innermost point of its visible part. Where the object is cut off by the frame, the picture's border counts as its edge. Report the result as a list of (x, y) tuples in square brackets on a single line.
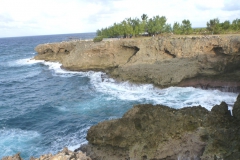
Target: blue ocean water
[(44, 108)]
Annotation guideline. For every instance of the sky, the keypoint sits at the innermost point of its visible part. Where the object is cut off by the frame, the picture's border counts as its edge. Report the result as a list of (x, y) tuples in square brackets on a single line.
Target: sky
[(46, 17)]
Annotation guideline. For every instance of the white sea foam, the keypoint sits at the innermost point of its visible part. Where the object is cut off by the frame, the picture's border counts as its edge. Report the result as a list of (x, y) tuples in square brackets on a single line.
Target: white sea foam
[(59, 71), (72, 140), (176, 97), (23, 62), (15, 140)]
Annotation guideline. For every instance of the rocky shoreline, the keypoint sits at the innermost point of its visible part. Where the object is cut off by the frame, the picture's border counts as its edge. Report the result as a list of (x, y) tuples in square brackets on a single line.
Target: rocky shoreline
[(159, 132), (162, 133), (207, 62)]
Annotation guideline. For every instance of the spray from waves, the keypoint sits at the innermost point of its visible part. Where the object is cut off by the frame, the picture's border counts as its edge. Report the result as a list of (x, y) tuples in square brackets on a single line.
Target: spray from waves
[(16, 140), (176, 97), (23, 62), (72, 140)]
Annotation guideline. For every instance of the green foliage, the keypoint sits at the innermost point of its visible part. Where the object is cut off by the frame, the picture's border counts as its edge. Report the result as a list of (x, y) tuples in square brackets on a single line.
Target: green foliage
[(144, 17), (214, 26), (186, 27), (98, 39), (177, 28), (236, 25), (156, 25)]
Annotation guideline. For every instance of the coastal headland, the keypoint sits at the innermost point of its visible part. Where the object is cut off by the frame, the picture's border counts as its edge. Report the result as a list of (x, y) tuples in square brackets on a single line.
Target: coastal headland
[(157, 132), (198, 61)]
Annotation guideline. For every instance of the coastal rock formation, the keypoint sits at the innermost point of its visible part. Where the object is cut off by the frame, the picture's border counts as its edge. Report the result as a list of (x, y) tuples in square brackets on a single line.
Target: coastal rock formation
[(158, 132), (236, 108), (65, 154), (211, 61), (14, 157)]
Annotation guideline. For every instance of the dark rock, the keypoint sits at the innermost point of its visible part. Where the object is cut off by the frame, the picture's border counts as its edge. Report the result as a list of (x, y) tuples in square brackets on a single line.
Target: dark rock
[(159, 132), (236, 108), (221, 109)]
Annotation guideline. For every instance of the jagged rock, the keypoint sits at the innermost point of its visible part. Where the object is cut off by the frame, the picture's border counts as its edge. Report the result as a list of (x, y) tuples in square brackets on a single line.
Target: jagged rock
[(165, 61), (221, 109), (14, 157), (236, 108), (65, 154), (159, 132)]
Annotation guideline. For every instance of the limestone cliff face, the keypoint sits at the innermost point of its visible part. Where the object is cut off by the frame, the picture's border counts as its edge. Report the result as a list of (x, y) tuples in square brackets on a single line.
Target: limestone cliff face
[(163, 61)]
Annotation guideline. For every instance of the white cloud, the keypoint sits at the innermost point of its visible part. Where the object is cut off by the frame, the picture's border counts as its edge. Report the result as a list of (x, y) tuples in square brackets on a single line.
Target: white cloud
[(35, 17)]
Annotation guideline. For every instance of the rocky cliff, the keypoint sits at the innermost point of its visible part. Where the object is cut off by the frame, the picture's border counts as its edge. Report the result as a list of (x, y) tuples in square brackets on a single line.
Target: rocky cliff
[(148, 132), (207, 61)]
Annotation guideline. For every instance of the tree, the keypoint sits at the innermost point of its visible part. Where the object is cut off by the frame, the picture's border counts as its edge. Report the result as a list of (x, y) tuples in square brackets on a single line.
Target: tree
[(168, 28), (144, 17), (186, 27), (177, 28), (225, 25), (236, 24), (127, 28), (156, 25), (213, 26), (99, 32)]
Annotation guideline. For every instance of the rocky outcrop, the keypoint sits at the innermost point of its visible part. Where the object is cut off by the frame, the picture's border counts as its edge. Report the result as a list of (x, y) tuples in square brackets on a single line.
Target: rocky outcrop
[(65, 154), (211, 61), (14, 157), (236, 108), (148, 132)]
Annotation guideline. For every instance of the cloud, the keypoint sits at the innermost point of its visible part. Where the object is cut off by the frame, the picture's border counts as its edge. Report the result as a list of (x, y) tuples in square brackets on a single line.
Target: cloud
[(34, 17), (231, 5), (208, 5)]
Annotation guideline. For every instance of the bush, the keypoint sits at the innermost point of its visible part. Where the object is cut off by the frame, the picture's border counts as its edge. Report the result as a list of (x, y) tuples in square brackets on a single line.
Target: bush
[(98, 39)]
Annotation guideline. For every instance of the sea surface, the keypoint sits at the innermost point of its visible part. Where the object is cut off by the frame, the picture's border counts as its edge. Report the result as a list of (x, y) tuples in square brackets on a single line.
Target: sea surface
[(44, 108)]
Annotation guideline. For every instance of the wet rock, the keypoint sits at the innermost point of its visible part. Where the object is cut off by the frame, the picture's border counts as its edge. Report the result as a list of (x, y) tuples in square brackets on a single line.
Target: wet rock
[(236, 108)]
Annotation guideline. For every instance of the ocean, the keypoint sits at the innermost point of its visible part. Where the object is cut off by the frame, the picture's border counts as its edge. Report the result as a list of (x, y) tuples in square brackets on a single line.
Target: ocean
[(44, 108)]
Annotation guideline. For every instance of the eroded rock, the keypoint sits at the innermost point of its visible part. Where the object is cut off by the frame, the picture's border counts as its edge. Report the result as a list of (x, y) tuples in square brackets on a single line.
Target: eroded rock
[(163, 61), (65, 154), (159, 132), (236, 108), (14, 157)]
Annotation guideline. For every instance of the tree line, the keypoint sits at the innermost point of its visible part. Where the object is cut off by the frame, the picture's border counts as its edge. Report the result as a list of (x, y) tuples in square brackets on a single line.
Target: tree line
[(156, 25)]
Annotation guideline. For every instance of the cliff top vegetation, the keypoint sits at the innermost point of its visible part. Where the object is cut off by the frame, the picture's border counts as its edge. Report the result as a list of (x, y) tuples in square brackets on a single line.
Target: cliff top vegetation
[(134, 27)]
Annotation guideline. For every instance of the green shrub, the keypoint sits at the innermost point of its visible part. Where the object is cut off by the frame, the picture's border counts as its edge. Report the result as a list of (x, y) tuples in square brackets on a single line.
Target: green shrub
[(98, 39)]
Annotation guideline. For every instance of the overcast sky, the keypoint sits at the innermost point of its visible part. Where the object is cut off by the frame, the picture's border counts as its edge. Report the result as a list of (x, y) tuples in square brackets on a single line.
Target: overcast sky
[(43, 17)]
